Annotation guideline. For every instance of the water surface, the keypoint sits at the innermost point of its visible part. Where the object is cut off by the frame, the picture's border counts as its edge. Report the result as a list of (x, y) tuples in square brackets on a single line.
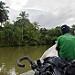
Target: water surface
[(10, 55)]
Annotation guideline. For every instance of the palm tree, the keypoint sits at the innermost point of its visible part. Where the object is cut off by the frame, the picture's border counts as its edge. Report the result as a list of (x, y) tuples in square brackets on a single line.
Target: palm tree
[(3, 12), (22, 18), (22, 15), (36, 26)]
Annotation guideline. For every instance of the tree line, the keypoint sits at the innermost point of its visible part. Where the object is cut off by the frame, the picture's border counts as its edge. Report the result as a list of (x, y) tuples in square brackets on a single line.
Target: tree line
[(22, 32)]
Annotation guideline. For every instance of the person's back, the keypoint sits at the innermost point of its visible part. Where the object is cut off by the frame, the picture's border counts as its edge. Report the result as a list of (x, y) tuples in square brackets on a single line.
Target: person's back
[(66, 43)]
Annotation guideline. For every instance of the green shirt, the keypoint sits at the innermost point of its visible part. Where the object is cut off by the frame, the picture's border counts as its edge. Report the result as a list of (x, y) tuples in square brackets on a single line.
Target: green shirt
[(67, 46)]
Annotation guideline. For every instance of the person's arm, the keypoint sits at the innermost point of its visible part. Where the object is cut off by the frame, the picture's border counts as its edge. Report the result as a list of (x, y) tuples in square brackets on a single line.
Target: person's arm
[(58, 46), (58, 49)]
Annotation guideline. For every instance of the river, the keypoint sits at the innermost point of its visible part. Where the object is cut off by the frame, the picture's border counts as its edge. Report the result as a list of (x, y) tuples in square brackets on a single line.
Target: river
[(10, 55)]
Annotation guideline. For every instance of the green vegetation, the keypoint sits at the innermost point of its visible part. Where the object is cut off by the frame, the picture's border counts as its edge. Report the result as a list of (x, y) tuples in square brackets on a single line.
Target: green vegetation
[(3, 12), (22, 32)]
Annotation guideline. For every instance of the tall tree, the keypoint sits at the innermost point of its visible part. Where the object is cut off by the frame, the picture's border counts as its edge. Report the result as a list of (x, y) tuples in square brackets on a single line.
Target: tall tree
[(3, 12), (22, 19), (36, 26)]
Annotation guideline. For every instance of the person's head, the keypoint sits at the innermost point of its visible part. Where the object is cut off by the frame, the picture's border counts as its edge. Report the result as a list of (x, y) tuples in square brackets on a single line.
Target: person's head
[(65, 29)]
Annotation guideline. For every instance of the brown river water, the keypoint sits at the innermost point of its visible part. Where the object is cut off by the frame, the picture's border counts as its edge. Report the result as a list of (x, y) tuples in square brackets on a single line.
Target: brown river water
[(10, 55)]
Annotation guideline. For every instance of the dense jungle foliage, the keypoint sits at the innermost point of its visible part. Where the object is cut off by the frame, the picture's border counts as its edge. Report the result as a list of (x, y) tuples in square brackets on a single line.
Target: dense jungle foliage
[(22, 32)]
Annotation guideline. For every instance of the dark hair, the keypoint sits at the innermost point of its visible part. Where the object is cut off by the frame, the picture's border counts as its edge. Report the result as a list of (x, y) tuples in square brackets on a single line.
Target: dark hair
[(65, 29)]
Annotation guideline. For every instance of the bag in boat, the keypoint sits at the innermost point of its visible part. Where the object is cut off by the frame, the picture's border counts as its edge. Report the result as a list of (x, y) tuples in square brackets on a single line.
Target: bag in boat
[(51, 66)]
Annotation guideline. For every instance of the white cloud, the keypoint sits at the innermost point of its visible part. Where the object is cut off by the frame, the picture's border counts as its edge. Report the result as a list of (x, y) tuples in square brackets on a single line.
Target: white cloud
[(15, 4), (2, 0), (49, 4), (18, 4), (63, 16), (56, 12)]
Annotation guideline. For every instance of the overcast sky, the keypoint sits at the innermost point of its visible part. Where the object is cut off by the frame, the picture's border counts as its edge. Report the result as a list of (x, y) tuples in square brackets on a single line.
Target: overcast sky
[(50, 13)]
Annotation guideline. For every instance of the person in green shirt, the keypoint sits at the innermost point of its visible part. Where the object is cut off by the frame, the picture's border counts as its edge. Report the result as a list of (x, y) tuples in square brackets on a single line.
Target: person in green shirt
[(66, 44)]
